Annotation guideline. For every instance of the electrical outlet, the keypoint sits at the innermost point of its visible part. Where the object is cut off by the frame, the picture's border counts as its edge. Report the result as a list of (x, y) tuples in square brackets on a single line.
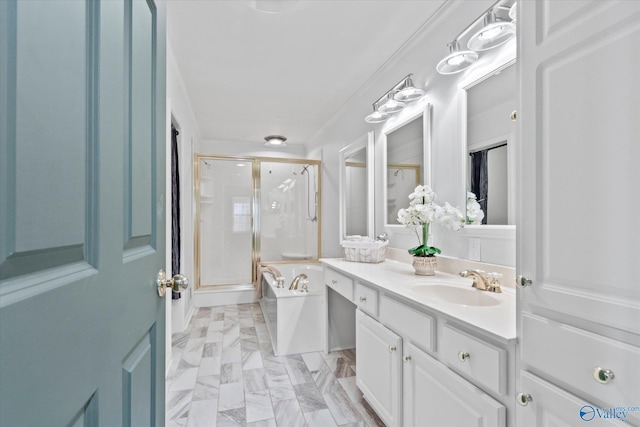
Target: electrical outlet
[(474, 249)]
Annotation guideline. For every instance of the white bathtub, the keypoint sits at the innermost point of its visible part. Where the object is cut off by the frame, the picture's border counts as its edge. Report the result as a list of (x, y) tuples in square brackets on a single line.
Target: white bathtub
[(295, 319)]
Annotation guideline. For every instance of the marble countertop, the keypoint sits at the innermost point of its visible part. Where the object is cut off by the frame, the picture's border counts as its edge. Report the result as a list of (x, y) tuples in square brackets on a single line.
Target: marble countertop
[(398, 278)]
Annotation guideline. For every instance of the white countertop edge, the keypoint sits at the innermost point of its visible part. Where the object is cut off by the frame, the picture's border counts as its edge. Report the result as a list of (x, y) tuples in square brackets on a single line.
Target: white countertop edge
[(396, 278)]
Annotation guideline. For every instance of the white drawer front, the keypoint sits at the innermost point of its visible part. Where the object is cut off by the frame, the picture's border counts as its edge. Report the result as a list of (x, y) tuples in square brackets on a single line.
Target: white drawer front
[(418, 327), (339, 283), (475, 359), (571, 355), (366, 298)]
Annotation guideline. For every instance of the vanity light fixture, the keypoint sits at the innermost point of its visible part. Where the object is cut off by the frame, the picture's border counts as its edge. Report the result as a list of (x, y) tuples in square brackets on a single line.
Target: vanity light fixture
[(275, 141), (494, 33), (457, 60), (391, 106), (394, 100), (376, 116)]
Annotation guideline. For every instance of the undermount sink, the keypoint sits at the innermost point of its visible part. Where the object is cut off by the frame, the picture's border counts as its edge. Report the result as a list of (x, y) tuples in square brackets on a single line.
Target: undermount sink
[(455, 295)]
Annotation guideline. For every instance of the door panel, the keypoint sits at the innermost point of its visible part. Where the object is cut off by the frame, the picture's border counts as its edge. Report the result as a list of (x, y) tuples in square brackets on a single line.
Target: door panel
[(81, 326)]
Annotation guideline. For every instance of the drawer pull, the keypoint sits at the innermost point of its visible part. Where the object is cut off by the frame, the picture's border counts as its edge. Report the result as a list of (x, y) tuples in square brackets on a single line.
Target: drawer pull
[(405, 359), (463, 356), (363, 299), (603, 376), (392, 348), (523, 282), (524, 398), (334, 281)]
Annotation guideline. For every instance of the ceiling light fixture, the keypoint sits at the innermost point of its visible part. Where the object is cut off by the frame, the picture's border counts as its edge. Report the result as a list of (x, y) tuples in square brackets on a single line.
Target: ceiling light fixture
[(275, 141), (394, 100), (457, 60), (494, 33), (272, 6)]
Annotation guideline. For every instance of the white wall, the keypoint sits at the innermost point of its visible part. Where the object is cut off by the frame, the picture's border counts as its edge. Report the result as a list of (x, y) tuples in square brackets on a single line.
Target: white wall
[(418, 56)]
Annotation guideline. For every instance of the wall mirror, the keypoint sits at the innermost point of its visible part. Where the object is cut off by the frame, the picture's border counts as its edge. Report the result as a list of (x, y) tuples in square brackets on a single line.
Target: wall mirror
[(488, 106), (406, 151), (356, 188)]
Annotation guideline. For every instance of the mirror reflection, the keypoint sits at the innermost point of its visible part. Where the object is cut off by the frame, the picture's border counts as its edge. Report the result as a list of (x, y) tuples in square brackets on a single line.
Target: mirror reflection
[(405, 165), (490, 133), (355, 187)]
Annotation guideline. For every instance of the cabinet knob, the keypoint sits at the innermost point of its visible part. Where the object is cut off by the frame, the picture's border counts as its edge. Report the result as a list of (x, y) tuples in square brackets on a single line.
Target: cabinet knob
[(603, 376), (406, 359), (524, 398), (523, 282), (363, 299), (334, 281), (463, 356), (392, 348)]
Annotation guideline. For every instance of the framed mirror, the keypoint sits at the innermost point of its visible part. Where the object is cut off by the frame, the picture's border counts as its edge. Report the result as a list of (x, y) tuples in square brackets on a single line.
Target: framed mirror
[(406, 148), (488, 130), (356, 188)]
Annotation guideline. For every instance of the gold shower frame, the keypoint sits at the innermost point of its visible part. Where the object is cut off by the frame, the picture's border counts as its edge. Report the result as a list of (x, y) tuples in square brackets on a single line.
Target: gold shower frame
[(255, 215)]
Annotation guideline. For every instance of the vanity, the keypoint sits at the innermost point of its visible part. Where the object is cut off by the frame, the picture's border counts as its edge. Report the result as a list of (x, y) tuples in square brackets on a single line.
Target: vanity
[(429, 350)]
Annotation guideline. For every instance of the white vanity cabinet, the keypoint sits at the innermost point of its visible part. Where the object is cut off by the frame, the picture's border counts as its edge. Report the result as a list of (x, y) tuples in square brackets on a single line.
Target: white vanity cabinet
[(417, 366), (379, 367)]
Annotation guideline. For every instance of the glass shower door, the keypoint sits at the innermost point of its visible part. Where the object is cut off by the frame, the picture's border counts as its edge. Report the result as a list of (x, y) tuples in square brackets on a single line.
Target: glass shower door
[(224, 221)]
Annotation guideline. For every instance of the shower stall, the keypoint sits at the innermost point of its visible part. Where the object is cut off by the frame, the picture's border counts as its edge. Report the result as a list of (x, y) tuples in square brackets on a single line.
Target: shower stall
[(251, 210)]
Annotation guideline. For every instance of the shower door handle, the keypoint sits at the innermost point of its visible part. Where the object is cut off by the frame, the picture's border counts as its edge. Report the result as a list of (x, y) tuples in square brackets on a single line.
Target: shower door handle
[(176, 283)]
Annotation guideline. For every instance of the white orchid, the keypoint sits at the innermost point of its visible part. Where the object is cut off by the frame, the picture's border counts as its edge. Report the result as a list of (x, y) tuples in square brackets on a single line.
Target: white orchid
[(423, 211), (474, 211)]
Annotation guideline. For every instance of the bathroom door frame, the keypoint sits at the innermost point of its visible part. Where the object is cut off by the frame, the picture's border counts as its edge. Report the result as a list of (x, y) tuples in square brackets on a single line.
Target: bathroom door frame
[(256, 162)]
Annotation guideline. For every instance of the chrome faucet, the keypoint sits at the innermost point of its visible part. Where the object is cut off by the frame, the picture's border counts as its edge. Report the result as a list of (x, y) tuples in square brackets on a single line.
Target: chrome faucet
[(294, 283), (480, 280)]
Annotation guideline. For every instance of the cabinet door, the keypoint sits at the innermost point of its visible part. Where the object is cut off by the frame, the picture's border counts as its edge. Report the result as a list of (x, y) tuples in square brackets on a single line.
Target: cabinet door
[(379, 367), (551, 406), (435, 396)]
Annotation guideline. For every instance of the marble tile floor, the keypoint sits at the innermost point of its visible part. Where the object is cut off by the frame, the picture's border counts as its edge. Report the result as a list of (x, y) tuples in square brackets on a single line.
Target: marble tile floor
[(224, 373)]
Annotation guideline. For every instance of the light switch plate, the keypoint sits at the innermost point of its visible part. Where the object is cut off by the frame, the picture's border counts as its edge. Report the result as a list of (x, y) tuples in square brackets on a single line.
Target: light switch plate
[(474, 249)]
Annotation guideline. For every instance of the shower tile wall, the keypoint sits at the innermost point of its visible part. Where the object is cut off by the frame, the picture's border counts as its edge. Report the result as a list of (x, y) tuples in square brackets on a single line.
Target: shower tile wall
[(225, 374)]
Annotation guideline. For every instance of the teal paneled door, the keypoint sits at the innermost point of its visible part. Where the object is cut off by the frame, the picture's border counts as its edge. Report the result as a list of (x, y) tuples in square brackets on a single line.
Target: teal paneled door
[(82, 137)]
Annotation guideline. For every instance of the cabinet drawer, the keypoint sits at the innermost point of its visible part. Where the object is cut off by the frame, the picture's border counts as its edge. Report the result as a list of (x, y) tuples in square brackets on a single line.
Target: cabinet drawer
[(418, 327), (339, 283), (477, 360), (572, 355), (366, 298)]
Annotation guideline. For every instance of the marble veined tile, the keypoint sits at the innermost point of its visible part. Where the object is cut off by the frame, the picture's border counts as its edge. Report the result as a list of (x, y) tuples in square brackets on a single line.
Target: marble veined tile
[(298, 372), (325, 380), (178, 403), (258, 406), (280, 387), (216, 325), (349, 385), (180, 339), (320, 418), (207, 388), (231, 373), (249, 344), (246, 323), (314, 361), (231, 418), (217, 317), (264, 423), (214, 335), (231, 396), (369, 415), (248, 333), (184, 379), (210, 366), (232, 354), (180, 422), (251, 360), (288, 413), (203, 413), (341, 407), (309, 397), (255, 380)]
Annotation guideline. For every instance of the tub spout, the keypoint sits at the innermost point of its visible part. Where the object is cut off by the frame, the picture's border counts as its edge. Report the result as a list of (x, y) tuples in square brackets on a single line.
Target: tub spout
[(294, 283)]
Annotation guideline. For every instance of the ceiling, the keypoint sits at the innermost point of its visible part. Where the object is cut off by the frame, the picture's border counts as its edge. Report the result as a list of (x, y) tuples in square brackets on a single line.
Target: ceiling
[(249, 74)]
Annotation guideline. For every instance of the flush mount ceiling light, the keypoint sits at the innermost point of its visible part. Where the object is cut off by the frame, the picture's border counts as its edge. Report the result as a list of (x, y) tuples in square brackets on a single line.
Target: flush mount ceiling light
[(457, 60), (394, 100), (275, 141), (272, 6), (376, 116), (494, 33)]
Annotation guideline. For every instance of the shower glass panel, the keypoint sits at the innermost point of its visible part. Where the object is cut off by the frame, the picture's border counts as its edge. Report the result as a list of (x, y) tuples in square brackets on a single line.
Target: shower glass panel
[(224, 221), (289, 210)]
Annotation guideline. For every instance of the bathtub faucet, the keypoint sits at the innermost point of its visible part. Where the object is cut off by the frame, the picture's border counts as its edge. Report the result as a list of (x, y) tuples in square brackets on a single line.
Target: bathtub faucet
[(294, 283)]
